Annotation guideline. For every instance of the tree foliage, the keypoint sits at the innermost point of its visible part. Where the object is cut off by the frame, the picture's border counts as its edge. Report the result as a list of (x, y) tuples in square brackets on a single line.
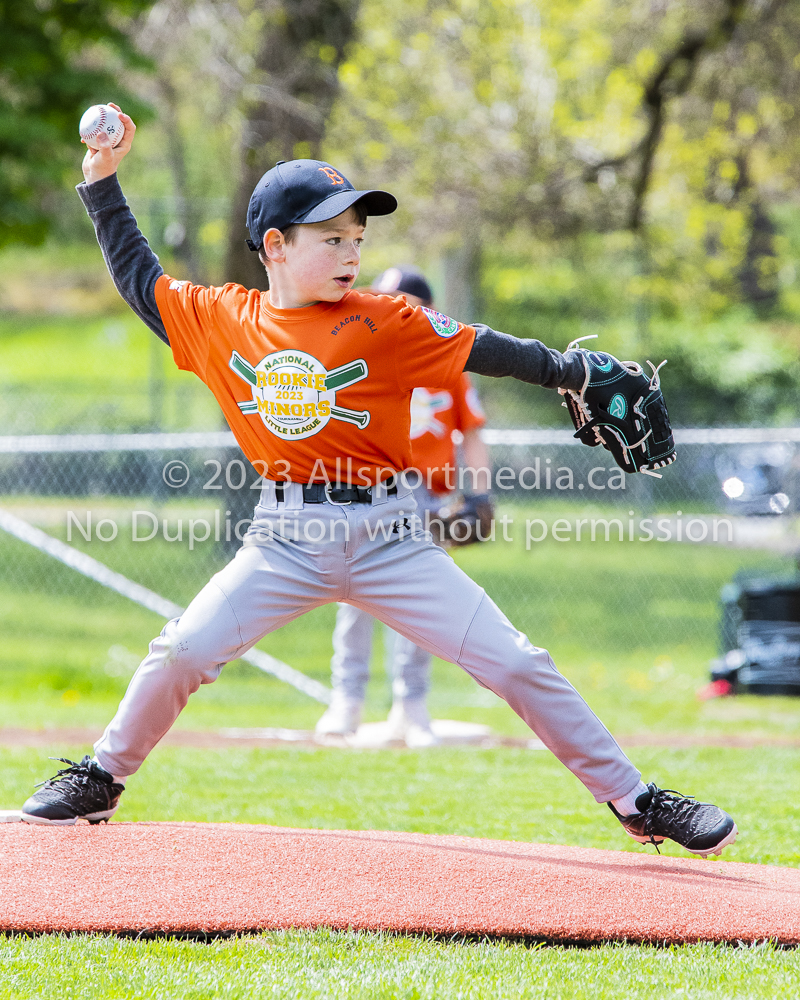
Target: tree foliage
[(628, 167), (674, 121), (201, 54), (286, 100), (57, 57)]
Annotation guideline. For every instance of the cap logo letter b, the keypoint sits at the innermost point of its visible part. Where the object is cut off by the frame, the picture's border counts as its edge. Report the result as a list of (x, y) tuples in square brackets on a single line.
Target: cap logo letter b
[(336, 178)]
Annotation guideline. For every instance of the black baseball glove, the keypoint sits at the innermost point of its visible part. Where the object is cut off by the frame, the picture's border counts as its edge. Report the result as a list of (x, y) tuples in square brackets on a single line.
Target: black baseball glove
[(466, 522), (623, 409)]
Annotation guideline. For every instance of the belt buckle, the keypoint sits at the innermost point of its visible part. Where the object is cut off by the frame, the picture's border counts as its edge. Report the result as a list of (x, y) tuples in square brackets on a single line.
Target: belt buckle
[(336, 503)]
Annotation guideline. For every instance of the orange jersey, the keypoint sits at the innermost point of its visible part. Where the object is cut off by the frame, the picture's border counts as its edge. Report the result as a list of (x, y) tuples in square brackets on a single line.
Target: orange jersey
[(318, 392), (435, 415)]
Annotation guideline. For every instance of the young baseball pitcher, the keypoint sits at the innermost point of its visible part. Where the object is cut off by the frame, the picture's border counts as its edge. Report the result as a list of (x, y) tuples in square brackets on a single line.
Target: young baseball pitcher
[(436, 414), (315, 381)]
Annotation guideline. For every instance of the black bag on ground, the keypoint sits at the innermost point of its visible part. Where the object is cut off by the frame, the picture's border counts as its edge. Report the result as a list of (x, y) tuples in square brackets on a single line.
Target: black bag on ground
[(760, 637)]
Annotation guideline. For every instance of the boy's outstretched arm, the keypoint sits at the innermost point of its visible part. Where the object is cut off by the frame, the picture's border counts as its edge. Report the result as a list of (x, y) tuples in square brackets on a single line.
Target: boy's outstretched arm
[(133, 266), (500, 355)]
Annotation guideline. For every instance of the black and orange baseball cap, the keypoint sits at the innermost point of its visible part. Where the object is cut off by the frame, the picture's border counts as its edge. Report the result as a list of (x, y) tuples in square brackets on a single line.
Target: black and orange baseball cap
[(305, 191)]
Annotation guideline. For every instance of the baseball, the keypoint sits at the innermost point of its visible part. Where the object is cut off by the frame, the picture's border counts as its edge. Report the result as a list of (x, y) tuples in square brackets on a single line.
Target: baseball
[(98, 119)]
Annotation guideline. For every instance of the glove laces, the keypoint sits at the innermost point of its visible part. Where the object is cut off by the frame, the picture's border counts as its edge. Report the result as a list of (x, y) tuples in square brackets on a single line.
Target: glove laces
[(572, 345), (655, 381)]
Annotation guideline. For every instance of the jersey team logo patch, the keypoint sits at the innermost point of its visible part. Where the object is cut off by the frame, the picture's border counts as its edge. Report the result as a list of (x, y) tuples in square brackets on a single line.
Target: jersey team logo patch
[(442, 324), (295, 395)]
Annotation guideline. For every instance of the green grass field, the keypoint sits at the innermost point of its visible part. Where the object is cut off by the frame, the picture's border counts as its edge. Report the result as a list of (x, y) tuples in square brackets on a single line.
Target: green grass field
[(304, 965), (635, 637), (61, 374), (634, 632)]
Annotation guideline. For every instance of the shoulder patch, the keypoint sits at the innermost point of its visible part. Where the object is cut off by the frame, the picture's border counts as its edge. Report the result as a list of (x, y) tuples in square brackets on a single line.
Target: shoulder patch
[(176, 286), (443, 325)]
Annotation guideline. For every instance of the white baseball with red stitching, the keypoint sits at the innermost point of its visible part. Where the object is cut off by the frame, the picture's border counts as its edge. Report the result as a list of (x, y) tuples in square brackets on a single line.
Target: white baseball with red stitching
[(98, 119)]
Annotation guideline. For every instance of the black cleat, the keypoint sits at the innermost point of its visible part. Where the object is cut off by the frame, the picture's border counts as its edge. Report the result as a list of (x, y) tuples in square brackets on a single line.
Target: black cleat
[(80, 791), (666, 815)]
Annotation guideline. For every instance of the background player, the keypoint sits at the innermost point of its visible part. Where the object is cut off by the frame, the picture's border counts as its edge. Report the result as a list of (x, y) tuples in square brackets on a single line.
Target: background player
[(348, 364), (436, 414)]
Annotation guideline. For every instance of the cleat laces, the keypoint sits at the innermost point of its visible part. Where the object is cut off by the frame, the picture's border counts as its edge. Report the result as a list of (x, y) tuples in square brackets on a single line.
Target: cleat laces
[(668, 809), (75, 774), (74, 768)]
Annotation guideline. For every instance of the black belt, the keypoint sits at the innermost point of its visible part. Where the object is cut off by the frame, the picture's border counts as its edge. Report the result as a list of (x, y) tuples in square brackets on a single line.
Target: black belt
[(339, 494)]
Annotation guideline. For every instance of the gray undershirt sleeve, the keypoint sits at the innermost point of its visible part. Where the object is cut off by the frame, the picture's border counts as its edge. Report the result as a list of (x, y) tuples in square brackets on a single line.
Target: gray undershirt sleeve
[(133, 266), (499, 355)]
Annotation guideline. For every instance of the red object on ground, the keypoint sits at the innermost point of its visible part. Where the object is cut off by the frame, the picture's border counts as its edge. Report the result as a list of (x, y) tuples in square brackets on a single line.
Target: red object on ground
[(216, 878), (715, 689)]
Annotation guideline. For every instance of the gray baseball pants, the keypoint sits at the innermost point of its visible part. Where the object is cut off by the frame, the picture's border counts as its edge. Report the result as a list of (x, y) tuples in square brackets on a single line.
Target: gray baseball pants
[(298, 557), (408, 665)]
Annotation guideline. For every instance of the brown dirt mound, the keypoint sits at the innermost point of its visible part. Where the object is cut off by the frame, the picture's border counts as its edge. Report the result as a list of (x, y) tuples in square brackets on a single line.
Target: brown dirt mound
[(217, 878)]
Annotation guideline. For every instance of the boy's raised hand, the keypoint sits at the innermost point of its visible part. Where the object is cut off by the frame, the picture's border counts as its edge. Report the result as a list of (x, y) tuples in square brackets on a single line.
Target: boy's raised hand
[(103, 162)]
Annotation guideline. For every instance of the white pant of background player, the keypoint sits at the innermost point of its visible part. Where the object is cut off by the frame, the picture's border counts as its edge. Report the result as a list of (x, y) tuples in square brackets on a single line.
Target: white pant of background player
[(407, 664), (322, 553)]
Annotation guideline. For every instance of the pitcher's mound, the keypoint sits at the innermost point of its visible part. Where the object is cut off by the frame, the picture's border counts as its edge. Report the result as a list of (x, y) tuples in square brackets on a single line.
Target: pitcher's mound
[(216, 878)]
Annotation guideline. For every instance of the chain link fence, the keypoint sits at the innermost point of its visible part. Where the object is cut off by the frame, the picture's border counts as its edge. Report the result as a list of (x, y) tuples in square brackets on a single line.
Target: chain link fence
[(572, 533)]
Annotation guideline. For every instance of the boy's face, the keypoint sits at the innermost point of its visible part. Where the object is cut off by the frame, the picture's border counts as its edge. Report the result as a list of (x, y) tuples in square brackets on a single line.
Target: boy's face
[(323, 259)]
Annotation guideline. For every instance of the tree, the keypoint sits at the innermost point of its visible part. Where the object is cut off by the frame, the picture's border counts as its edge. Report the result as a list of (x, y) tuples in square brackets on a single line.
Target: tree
[(618, 166), (200, 51), (443, 99), (717, 116), (56, 58), (286, 101)]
